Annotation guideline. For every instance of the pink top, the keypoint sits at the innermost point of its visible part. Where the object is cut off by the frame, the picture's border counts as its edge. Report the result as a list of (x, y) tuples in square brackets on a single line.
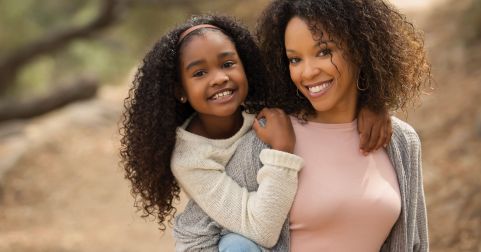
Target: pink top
[(345, 201)]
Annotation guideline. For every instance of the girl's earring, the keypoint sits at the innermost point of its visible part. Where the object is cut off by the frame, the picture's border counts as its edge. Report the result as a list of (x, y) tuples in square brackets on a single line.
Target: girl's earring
[(297, 93), (183, 99)]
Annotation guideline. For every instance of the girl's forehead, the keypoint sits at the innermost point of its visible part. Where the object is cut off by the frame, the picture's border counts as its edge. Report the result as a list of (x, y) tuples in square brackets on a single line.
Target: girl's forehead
[(207, 44), (207, 36)]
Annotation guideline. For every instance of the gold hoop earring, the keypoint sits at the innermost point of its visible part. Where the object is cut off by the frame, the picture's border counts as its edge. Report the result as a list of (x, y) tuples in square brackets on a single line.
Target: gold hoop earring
[(358, 87), (357, 82)]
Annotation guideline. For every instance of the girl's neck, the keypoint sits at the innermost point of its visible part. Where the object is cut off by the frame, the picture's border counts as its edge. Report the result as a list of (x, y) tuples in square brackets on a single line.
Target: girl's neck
[(214, 127)]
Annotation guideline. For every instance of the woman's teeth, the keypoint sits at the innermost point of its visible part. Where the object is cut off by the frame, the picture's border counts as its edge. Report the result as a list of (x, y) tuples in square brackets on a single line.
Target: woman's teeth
[(222, 94), (319, 88)]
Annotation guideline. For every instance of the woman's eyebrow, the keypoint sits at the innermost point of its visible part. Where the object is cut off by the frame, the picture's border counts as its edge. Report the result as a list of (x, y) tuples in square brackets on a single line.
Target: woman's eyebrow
[(225, 54)]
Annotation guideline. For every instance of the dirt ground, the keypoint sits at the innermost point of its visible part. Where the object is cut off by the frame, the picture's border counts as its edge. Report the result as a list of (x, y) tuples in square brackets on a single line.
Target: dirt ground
[(64, 190), (68, 192)]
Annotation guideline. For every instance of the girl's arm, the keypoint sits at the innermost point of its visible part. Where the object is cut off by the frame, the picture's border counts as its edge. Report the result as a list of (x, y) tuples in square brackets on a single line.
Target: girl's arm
[(258, 215), (375, 129)]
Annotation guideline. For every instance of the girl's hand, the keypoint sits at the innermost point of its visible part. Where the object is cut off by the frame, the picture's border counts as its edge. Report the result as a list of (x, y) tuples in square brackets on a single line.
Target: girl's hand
[(375, 129), (277, 131)]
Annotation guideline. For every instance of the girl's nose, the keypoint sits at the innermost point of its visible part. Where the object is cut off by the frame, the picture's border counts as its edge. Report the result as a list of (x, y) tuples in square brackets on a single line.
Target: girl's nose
[(219, 78)]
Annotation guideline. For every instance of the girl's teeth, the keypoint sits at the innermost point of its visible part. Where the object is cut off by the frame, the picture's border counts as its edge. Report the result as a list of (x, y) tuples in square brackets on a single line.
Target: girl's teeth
[(220, 95), (319, 88)]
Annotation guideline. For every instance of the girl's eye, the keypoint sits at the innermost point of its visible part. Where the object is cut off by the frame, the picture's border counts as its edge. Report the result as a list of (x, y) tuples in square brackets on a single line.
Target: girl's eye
[(294, 60), (228, 64), (199, 73), (325, 52)]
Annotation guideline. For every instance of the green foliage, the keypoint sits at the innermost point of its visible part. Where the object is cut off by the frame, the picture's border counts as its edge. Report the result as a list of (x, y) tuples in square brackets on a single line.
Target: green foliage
[(112, 53), (472, 23)]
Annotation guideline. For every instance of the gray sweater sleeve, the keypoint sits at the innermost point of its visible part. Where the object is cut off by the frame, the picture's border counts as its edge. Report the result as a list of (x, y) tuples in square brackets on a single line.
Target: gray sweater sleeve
[(195, 231), (410, 231)]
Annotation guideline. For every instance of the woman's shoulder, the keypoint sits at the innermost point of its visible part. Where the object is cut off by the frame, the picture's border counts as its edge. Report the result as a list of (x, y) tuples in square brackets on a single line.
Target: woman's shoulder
[(404, 134), (251, 141)]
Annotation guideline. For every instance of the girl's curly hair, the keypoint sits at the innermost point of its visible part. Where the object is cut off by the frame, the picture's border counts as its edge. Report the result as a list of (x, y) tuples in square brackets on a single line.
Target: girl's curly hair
[(152, 113), (387, 48)]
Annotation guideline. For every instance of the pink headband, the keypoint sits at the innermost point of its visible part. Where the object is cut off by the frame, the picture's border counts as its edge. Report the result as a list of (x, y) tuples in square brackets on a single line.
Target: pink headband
[(193, 28)]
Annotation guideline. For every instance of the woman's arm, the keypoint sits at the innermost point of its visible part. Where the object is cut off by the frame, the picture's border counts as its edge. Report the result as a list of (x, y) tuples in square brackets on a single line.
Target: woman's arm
[(421, 243), (195, 231)]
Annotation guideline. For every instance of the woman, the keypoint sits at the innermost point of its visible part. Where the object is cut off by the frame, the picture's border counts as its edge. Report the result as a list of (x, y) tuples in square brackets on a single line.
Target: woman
[(328, 59)]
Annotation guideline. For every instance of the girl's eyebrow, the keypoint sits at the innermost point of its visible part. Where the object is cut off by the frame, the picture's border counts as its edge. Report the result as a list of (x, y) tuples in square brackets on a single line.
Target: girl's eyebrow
[(194, 63), (201, 61)]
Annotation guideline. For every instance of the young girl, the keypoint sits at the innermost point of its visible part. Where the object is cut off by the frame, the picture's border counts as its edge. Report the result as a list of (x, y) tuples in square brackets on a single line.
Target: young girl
[(188, 95), (327, 59)]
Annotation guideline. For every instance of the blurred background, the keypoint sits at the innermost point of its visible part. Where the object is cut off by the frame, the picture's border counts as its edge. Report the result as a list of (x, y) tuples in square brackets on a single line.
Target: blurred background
[(66, 66)]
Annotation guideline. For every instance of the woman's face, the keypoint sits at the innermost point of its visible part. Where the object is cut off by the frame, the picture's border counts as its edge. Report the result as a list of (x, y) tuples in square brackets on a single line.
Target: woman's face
[(322, 72), (212, 74)]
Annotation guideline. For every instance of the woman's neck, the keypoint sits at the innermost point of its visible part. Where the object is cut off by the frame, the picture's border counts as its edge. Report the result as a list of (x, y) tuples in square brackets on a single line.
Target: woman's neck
[(215, 127), (340, 114)]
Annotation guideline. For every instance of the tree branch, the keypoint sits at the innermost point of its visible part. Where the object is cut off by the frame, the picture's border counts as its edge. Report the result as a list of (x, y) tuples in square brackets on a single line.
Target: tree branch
[(82, 89), (10, 66)]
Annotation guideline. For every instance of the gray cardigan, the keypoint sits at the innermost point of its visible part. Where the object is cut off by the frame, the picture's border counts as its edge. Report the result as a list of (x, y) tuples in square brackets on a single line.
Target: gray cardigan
[(195, 231)]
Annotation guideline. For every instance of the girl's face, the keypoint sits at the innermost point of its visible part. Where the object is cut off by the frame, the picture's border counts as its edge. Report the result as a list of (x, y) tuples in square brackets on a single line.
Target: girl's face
[(212, 75), (322, 72)]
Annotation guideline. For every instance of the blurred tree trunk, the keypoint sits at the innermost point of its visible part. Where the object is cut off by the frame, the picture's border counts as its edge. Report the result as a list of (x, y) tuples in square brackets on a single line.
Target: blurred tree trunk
[(11, 65), (81, 89), (472, 23)]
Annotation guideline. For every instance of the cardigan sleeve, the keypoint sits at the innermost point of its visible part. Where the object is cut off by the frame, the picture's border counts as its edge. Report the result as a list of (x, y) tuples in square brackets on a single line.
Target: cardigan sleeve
[(257, 215), (195, 231), (421, 241)]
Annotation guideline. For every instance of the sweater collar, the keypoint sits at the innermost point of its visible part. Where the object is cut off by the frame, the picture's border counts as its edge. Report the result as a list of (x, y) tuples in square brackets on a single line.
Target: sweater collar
[(183, 134)]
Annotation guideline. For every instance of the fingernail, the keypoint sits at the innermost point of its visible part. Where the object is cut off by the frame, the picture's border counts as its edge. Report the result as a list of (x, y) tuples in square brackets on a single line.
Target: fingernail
[(262, 122)]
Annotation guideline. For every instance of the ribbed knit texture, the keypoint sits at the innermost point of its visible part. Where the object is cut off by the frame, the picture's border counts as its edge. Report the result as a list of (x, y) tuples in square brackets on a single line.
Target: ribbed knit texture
[(197, 232), (198, 165)]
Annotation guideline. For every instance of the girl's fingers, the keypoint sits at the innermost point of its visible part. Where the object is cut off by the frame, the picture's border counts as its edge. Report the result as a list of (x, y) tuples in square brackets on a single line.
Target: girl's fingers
[(389, 133), (382, 137), (262, 113), (363, 134), (374, 137)]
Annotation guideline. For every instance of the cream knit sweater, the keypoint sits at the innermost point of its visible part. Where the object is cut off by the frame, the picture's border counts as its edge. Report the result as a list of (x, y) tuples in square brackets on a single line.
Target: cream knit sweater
[(198, 164)]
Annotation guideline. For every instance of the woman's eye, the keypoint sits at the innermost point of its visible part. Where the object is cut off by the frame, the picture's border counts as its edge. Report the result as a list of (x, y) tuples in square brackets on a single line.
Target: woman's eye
[(325, 52), (228, 64), (199, 73), (294, 60)]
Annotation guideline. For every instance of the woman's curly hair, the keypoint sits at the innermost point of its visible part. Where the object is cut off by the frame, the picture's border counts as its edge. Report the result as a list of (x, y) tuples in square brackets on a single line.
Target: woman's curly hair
[(152, 112), (387, 48)]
